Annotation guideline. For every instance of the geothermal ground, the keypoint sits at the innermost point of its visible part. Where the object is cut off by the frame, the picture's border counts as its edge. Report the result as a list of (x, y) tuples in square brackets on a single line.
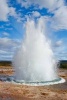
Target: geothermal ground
[(12, 91)]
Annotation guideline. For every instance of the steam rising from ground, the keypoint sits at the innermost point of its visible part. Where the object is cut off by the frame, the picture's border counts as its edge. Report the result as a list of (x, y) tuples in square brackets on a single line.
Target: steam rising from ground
[(34, 61)]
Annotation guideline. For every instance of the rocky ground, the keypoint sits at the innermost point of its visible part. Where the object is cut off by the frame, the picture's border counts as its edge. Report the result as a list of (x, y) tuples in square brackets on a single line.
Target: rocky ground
[(12, 91)]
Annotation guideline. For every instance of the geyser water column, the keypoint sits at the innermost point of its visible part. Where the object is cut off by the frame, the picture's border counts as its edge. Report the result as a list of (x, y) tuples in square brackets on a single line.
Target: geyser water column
[(34, 61)]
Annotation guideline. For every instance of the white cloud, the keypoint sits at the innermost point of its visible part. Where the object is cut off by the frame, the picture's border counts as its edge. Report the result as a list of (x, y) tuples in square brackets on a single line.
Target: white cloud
[(35, 14), (60, 49), (6, 57), (5, 34), (56, 4), (32, 15), (58, 43), (50, 4), (8, 47), (59, 20), (57, 7), (8, 28), (8, 43), (61, 52), (4, 10), (12, 11), (2, 51)]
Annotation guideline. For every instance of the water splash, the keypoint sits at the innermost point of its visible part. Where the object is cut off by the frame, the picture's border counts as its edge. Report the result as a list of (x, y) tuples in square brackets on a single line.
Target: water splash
[(34, 61)]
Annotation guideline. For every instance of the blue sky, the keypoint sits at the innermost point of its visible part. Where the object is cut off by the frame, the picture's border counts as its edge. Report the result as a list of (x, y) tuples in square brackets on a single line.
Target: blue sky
[(14, 14)]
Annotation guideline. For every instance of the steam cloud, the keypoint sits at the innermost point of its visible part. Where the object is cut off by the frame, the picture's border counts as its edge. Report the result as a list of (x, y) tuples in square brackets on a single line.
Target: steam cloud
[(34, 60)]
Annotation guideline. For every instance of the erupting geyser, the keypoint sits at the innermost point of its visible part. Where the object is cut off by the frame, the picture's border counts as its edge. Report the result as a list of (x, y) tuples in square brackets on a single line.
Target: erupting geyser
[(34, 61)]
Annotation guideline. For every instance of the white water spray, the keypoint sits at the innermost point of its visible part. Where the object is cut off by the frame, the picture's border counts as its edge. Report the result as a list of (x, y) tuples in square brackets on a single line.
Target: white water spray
[(34, 61)]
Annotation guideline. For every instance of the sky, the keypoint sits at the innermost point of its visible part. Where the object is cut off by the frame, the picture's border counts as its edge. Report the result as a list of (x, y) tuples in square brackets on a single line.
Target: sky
[(14, 14)]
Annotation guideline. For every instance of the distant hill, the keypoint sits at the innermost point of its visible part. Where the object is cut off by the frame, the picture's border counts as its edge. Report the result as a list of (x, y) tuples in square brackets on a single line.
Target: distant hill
[(5, 63), (63, 63)]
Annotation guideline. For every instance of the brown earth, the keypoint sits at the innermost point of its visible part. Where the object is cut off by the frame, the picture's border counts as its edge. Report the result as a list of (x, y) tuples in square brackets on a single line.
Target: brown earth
[(11, 91)]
